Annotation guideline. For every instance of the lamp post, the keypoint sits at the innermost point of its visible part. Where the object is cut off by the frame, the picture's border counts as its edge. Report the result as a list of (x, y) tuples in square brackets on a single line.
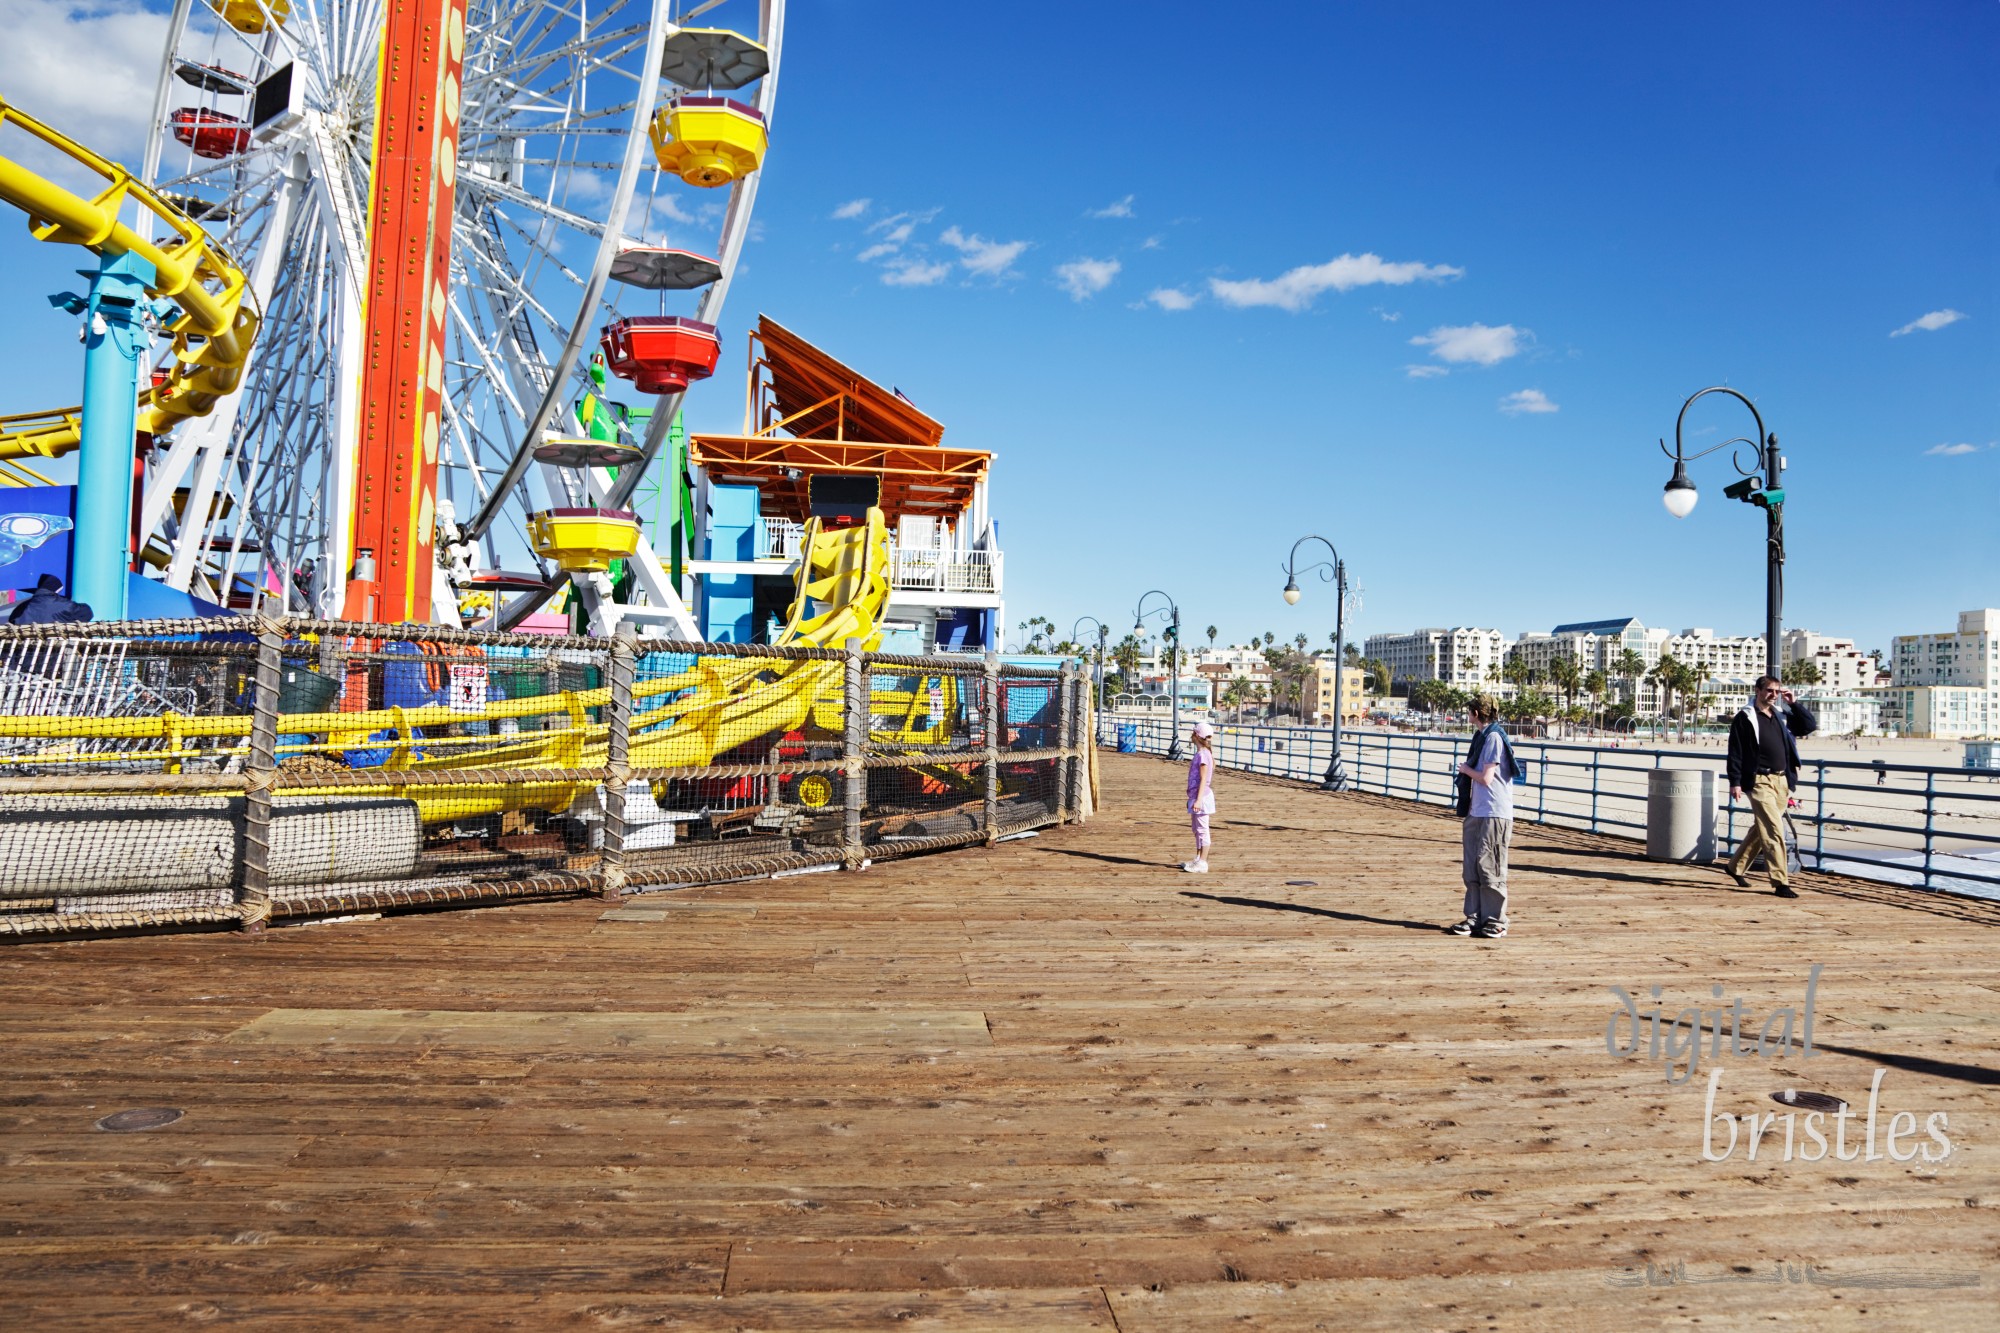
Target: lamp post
[(1097, 674), (1336, 574), (1172, 636), (1762, 485)]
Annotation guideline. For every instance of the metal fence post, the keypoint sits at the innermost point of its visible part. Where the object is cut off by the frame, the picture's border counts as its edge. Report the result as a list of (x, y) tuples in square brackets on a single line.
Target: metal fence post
[(990, 816), (622, 668), (856, 783), (260, 774), (1066, 740)]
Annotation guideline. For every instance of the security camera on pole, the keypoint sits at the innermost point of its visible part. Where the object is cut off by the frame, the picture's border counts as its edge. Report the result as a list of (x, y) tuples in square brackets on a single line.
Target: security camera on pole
[(1766, 491)]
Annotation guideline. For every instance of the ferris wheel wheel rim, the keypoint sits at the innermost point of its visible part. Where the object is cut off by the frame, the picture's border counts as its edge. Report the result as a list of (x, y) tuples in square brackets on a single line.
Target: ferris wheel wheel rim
[(245, 198)]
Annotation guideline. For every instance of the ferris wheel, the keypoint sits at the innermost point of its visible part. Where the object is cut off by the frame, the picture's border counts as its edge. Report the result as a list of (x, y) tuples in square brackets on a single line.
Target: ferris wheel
[(462, 238)]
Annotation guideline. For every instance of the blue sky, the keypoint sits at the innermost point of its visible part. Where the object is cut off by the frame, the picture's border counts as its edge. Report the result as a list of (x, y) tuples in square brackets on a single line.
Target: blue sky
[(1447, 272)]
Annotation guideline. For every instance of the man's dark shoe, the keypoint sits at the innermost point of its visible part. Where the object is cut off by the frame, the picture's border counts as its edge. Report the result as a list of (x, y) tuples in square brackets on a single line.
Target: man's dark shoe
[(1741, 879), (1785, 891)]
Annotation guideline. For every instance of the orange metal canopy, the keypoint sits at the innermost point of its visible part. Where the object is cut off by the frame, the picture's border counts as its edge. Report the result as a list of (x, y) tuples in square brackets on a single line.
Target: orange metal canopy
[(837, 422)]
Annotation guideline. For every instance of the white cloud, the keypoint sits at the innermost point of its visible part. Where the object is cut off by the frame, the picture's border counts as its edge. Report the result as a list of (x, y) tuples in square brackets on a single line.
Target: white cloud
[(670, 208), (1936, 319), (1953, 450), (1527, 400), (914, 273), (1150, 243), (853, 208), (878, 251), (1297, 288), (86, 67), (990, 259), (1120, 209), (1480, 344), (1425, 372), (1388, 316), (1085, 278), (1172, 298)]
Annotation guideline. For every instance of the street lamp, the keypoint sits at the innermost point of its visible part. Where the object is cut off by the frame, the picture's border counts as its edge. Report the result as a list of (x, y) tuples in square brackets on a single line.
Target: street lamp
[(1761, 485), (1172, 636), (1336, 574), (1103, 633)]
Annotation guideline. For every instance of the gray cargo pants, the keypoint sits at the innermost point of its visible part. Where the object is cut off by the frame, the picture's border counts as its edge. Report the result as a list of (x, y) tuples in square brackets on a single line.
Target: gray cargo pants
[(1486, 843)]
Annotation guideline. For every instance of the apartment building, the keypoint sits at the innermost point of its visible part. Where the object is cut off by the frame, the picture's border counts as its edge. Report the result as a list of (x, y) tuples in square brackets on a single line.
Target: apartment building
[(1841, 665), (1727, 662), (1595, 645), (1941, 712), (1319, 693), (1971, 656), (1465, 657), (1947, 685)]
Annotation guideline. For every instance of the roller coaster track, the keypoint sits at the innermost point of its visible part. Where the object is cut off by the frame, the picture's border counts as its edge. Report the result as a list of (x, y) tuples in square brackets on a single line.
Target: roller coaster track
[(217, 321)]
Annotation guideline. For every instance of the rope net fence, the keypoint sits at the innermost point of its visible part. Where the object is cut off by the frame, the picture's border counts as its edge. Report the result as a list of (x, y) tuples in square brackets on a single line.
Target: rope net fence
[(169, 773)]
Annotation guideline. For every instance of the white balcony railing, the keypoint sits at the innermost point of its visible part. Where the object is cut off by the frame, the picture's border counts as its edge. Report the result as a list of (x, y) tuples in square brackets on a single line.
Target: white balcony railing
[(913, 569)]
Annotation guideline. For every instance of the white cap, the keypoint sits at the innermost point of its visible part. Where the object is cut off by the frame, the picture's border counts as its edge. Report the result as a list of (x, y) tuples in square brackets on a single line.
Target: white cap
[(1203, 729)]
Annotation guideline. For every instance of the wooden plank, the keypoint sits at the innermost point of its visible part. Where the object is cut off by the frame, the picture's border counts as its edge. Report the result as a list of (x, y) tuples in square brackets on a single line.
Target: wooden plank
[(753, 1026), (1194, 1101)]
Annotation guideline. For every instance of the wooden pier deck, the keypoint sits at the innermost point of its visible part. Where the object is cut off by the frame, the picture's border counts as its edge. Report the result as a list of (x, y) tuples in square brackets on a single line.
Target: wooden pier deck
[(1051, 1085)]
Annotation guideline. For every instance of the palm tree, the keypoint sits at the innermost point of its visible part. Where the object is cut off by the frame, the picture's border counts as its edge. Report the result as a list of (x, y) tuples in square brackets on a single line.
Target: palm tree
[(1672, 675), (1596, 684), (1566, 676), (1211, 636), (1630, 667), (1517, 672), (1468, 667), (1376, 670), (1127, 655), (1234, 694), (1802, 672)]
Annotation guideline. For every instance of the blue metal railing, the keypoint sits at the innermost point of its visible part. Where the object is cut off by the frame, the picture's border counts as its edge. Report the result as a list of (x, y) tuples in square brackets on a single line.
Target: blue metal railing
[(1915, 824)]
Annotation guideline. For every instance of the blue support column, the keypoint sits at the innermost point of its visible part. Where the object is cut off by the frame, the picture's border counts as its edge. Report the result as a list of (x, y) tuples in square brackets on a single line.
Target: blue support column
[(114, 340)]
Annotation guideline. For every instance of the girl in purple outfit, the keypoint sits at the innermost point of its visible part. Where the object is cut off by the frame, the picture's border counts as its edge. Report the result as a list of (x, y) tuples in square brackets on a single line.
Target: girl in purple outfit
[(1201, 795)]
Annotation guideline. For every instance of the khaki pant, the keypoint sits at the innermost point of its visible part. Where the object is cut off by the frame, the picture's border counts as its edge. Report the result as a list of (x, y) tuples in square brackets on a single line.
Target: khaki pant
[(1484, 868), (1767, 830)]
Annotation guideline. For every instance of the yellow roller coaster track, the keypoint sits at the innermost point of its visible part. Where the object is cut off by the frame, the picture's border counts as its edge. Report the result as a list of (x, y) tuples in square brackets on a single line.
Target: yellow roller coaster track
[(720, 703), (217, 322)]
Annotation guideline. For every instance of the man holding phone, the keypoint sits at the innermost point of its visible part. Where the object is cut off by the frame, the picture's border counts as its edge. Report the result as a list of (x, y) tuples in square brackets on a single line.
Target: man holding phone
[(1764, 761)]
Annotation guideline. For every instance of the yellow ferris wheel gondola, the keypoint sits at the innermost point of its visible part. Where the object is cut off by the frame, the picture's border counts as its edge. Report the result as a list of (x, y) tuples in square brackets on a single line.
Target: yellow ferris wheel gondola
[(252, 16), (709, 141)]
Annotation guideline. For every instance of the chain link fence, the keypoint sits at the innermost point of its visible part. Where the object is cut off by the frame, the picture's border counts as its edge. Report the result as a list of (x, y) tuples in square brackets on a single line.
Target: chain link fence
[(194, 773)]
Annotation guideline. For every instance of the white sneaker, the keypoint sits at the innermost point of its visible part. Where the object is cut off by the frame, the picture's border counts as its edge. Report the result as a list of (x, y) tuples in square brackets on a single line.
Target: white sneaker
[(1195, 867)]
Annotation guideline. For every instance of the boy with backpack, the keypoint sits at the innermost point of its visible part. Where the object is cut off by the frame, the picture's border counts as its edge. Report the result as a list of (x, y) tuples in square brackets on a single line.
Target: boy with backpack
[(1486, 800)]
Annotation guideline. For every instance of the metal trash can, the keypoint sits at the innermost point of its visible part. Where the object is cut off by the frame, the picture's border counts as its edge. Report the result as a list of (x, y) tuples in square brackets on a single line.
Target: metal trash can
[(1680, 815), (1128, 738)]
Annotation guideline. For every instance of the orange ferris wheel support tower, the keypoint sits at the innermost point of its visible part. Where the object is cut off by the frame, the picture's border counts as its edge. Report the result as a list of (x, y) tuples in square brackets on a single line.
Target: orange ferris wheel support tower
[(409, 273)]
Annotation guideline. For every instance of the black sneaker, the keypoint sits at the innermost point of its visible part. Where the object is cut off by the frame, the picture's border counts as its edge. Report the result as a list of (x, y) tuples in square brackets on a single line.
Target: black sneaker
[(1741, 879), (1465, 927), (1785, 891)]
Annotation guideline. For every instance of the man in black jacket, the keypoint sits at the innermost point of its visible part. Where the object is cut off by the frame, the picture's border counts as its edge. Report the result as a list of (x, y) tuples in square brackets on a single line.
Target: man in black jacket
[(1764, 761), (47, 605)]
